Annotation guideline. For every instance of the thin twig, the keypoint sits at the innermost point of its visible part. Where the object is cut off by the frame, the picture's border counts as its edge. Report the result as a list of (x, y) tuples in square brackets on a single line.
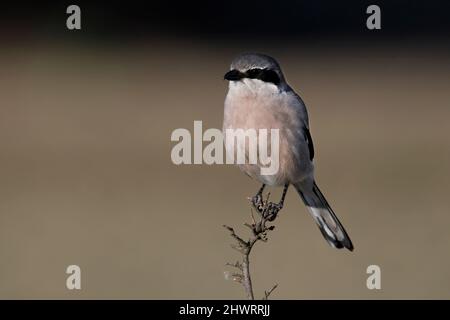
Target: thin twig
[(268, 293), (259, 229)]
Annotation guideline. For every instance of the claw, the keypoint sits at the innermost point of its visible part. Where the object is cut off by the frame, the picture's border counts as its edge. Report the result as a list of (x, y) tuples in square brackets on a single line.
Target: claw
[(272, 210), (258, 203)]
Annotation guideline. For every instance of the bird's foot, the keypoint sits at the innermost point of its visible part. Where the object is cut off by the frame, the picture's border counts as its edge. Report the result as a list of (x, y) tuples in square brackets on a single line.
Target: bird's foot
[(266, 209), (258, 203), (271, 210)]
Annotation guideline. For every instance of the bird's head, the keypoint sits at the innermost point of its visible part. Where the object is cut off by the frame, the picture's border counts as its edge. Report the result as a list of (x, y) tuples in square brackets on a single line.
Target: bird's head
[(255, 69)]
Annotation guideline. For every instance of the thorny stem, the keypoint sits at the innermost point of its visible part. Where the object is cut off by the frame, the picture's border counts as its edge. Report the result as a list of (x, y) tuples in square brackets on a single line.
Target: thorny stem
[(259, 232)]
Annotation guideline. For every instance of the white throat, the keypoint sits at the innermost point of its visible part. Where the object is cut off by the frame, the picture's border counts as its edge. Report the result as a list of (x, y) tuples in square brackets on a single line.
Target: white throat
[(252, 87)]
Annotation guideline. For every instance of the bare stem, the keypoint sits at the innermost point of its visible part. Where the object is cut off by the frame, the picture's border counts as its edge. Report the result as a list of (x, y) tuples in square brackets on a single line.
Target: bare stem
[(247, 283), (267, 213), (268, 293)]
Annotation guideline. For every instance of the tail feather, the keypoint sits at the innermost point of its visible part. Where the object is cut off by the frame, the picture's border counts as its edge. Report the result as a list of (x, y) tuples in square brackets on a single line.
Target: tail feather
[(326, 219)]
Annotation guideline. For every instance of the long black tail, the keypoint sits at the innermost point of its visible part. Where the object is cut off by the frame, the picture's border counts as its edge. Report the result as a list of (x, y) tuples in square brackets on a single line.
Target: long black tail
[(326, 219)]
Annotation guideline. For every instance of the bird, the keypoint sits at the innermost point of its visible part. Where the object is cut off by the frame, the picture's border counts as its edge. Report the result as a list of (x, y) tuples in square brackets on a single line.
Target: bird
[(259, 97)]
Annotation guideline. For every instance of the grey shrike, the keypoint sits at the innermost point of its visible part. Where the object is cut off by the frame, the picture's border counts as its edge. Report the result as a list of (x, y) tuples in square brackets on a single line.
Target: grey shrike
[(260, 98)]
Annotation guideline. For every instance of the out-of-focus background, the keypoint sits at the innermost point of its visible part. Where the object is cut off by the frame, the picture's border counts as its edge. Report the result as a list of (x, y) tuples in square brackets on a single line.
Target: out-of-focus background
[(86, 176)]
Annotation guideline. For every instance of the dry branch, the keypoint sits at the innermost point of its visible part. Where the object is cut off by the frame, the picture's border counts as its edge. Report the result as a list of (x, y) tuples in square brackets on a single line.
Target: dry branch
[(259, 229)]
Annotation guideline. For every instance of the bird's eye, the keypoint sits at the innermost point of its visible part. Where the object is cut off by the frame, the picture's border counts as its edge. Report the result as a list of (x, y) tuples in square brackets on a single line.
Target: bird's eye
[(269, 76), (265, 75), (254, 73)]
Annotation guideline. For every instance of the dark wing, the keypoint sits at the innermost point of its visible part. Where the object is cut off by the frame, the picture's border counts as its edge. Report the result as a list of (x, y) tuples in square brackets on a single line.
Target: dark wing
[(305, 118), (310, 143)]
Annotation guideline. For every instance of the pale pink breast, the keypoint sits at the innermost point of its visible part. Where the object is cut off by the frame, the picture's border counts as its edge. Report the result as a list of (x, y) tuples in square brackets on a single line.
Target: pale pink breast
[(247, 111)]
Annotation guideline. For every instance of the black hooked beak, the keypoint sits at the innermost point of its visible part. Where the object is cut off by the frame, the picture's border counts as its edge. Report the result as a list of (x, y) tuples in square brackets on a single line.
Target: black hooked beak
[(233, 75)]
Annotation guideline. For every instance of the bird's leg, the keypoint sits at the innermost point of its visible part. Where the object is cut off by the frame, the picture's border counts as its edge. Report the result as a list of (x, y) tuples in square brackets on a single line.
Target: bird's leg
[(257, 200), (285, 189), (272, 209)]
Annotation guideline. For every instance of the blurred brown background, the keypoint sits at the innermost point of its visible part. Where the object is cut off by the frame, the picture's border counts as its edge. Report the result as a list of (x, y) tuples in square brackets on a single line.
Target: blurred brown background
[(87, 179)]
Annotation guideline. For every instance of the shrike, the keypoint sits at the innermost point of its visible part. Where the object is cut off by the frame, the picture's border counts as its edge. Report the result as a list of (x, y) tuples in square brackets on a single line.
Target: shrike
[(259, 98)]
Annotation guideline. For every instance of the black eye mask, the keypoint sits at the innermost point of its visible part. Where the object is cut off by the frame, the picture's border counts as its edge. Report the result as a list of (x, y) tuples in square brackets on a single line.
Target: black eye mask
[(265, 75)]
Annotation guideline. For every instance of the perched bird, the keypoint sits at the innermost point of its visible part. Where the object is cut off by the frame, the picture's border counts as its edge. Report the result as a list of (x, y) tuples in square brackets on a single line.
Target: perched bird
[(260, 98)]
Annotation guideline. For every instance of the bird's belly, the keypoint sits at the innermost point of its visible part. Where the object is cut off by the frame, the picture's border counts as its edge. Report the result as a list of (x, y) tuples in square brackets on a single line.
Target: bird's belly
[(257, 114)]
